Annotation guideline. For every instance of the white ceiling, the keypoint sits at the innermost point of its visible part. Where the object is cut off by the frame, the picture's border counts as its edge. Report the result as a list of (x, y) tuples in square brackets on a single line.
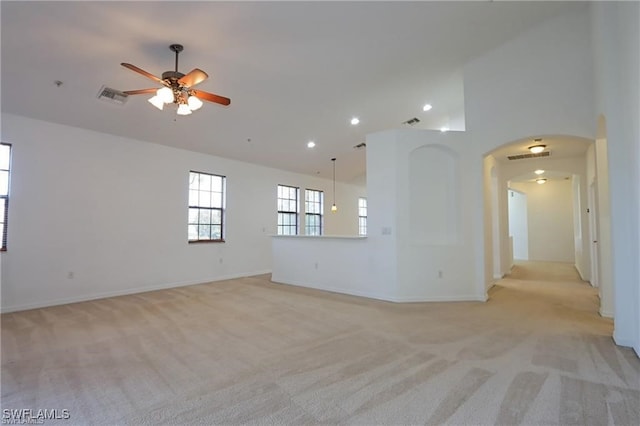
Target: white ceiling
[(295, 71)]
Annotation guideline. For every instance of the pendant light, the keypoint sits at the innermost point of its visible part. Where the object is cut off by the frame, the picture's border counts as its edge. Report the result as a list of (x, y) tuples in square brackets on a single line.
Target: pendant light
[(333, 207)]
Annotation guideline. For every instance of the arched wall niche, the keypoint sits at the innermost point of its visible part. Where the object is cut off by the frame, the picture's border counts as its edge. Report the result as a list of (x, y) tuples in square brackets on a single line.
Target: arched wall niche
[(434, 195)]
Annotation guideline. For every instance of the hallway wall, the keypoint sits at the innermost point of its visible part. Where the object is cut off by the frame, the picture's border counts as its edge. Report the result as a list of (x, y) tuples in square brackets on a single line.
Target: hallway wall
[(519, 224), (550, 220), (616, 56)]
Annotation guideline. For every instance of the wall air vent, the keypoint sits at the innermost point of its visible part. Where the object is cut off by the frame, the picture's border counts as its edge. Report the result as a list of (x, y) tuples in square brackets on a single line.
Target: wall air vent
[(112, 95), (361, 145), (412, 122), (523, 156)]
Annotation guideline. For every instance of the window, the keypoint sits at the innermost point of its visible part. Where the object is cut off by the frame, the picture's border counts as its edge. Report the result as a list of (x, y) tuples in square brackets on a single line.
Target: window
[(314, 202), (287, 210), (362, 216), (5, 161), (206, 207)]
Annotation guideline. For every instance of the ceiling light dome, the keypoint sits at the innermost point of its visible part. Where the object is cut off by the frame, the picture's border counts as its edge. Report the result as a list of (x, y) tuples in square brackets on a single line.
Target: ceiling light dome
[(156, 102), (165, 94), (539, 172), (194, 103), (183, 109), (540, 181), (537, 149), (427, 107)]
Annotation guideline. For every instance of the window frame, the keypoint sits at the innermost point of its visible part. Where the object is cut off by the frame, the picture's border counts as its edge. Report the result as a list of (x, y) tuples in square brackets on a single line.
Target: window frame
[(319, 215), (362, 219), (295, 214), (5, 201), (221, 209)]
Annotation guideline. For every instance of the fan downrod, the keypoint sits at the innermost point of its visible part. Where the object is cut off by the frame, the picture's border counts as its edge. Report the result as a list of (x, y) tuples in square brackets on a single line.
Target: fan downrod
[(176, 48)]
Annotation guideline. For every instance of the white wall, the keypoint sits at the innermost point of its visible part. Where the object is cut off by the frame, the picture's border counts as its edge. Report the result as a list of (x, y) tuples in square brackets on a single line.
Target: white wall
[(337, 264), (424, 265), (519, 224), (112, 211), (570, 167), (550, 220), (429, 269), (540, 83), (616, 44)]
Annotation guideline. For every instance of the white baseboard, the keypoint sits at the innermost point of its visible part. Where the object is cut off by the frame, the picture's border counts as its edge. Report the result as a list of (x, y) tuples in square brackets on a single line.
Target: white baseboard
[(624, 342), (582, 275), (605, 314), (384, 297), (135, 290), (457, 298), (350, 292)]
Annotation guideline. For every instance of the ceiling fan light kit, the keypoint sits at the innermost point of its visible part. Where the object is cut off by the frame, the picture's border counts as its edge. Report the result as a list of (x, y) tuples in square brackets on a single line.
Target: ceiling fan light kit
[(177, 88)]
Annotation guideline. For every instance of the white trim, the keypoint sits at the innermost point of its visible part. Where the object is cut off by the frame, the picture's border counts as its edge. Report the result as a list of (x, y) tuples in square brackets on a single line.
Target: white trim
[(605, 314), (623, 342), (385, 298), (582, 275), (357, 293), (136, 290), (457, 298)]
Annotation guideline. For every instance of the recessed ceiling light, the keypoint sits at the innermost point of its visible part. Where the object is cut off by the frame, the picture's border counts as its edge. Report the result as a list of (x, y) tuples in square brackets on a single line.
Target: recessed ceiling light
[(540, 181), (539, 172), (426, 107), (311, 144), (444, 129), (355, 121), (537, 149)]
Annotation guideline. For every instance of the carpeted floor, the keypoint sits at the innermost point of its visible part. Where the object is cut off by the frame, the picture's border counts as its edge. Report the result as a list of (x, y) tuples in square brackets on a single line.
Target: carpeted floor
[(251, 351)]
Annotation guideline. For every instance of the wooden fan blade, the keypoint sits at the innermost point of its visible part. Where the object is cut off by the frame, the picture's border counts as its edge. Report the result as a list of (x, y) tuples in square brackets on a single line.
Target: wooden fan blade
[(194, 77), (206, 96), (144, 73), (140, 91)]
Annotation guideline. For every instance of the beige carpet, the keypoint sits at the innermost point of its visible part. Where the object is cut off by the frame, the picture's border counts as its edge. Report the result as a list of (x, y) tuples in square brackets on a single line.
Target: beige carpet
[(250, 351)]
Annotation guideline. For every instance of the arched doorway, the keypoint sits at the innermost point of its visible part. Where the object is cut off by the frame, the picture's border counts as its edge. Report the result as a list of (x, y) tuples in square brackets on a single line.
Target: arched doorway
[(566, 160)]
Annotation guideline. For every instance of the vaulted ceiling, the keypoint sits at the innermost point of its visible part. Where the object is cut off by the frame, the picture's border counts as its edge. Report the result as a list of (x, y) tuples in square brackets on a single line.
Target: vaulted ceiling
[(295, 71)]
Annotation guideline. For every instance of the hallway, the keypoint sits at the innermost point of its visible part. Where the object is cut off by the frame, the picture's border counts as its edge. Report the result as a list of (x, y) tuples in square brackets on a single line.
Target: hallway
[(555, 294)]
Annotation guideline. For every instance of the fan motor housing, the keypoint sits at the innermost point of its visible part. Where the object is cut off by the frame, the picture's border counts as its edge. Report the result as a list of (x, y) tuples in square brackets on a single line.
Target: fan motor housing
[(172, 75)]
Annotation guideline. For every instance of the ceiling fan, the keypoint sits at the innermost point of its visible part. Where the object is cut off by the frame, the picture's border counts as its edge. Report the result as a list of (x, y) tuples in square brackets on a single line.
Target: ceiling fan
[(178, 87)]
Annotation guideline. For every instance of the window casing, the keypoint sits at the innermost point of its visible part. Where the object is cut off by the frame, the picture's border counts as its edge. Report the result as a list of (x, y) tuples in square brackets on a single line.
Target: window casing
[(206, 207), (362, 216), (5, 174), (288, 210), (314, 207)]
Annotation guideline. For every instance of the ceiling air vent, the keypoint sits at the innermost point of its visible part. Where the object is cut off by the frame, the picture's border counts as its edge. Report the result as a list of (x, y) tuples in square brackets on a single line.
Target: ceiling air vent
[(112, 95), (523, 156), (361, 145), (412, 122)]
